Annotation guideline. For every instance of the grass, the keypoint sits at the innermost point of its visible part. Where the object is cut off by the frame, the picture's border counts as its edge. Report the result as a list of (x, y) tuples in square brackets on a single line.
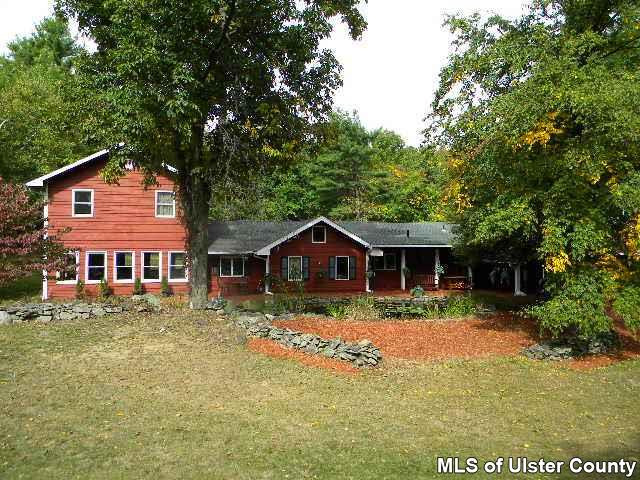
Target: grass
[(178, 395)]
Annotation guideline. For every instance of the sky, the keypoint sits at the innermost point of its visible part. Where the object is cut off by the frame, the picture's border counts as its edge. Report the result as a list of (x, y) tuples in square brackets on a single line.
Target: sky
[(389, 76)]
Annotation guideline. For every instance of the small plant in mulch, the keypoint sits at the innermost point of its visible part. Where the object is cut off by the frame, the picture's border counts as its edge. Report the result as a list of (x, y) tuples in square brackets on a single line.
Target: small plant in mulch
[(80, 293), (417, 291), (165, 288), (138, 288), (104, 290)]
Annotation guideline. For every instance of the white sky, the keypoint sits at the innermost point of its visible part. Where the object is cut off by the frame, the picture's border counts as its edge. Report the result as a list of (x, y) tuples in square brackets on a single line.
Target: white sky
[(389, 76)]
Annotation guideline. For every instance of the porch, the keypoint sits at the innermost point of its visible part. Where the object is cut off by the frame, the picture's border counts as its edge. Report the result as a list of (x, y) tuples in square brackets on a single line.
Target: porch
[(401, 269)]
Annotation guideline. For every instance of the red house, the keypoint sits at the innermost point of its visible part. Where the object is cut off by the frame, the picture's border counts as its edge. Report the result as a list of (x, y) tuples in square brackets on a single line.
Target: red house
[(127, 231)]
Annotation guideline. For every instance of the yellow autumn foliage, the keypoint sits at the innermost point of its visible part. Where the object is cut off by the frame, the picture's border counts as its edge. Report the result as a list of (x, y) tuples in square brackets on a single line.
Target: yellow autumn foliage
[(542, 132), (631, 235), (557, 263)]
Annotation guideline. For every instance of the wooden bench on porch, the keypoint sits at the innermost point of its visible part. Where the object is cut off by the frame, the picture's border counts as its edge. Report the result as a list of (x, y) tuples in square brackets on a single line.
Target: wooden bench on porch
[(425, 280)]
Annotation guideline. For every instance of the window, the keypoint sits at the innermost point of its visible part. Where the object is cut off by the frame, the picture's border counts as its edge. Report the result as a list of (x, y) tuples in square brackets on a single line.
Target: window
[(342, 268), (151, 266), (386, 262), (231, 267), (177, 267), (319, 235), (294, 270), (165, 204), (68, 273), (96, 266), (123, 266), (82, 203)]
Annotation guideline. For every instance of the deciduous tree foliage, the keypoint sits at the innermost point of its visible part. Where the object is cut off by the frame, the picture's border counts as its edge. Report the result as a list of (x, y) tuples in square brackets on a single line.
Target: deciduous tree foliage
[(211, 87), (44, 115), (542, 117), (351, 173), (24, 245)]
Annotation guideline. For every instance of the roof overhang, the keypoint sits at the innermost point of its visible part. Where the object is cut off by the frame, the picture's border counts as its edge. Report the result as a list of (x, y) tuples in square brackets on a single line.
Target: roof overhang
[(40, 181), (266, 250), (413, 246)]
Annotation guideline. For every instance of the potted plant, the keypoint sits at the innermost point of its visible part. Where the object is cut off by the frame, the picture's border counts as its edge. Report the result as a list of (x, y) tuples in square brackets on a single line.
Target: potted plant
[(440, 270)]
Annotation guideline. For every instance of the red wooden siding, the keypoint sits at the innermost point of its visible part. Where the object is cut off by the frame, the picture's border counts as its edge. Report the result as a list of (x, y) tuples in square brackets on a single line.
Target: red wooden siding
[(123, 220), (250, 283), (336, 244)]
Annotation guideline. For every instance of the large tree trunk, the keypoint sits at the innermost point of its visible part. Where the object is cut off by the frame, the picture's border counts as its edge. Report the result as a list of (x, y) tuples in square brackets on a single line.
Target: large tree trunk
[(195, 204)]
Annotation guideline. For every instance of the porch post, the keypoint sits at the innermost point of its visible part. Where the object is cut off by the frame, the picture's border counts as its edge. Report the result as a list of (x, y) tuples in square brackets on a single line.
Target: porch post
[(267, 271), (403, 264), (366, 272), (437, 262), (470, 275), (516, 271)]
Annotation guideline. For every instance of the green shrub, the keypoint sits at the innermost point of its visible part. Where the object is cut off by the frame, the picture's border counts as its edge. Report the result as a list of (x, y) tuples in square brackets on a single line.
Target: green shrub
[(627, 305), (459, 306), (335, 310), (104, 290), (362, 308), (577, 304), (138, 288), (165, 288), (80, 293)]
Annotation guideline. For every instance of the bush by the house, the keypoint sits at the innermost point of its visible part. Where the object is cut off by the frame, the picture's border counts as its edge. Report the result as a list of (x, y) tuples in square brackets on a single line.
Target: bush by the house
[(165, 289), (138, 289)]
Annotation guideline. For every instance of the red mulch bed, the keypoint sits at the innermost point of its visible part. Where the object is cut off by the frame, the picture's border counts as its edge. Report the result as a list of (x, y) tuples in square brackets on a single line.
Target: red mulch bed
[(273, 349), (429, 340), (630, 350)]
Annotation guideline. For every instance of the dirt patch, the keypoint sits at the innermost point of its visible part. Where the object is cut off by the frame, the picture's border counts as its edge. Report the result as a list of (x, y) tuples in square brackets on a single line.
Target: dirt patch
[(501, 334), (273, 349)]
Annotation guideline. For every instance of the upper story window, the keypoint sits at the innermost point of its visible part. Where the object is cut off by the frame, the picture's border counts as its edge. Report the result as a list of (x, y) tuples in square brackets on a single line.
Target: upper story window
[(82, 203), (68, 272), (319, 234), (232, 267), (165, 204)]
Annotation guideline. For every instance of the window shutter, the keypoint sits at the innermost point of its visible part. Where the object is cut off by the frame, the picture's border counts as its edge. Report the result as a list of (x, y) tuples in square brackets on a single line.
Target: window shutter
[(305, 268), (284, 268), (352, 268), (332, 268)]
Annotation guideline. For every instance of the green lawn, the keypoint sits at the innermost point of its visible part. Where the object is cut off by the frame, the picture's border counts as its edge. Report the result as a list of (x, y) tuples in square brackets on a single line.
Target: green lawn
[(180, 396), (27, 289)]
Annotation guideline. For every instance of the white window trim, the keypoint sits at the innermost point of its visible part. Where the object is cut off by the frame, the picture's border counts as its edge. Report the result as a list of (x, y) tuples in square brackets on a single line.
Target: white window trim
[(70, 282), (289, 279), (133, 266), (348, 267), (325, 233), (150, 280), (73, 202), (230, 257), (174, 204), (86, 266), (186, 271)]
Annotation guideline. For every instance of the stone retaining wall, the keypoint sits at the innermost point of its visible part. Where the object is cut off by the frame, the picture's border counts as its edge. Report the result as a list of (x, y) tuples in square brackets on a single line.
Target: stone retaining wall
[(48, 312), (361, 354)]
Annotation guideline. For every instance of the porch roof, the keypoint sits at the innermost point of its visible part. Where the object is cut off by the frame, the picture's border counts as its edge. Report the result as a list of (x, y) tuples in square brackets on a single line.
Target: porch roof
[(248, 236)]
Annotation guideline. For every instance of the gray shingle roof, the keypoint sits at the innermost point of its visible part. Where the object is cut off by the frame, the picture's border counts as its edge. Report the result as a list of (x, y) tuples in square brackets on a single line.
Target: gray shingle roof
[(417, 233), (244, 236)]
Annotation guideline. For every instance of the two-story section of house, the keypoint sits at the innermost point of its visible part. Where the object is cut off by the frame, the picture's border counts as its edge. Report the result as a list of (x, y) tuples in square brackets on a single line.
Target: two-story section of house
[(119, 232)]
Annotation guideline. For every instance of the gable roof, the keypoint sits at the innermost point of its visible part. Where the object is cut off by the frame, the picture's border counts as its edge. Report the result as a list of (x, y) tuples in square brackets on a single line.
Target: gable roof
[(247, 236), (266, 249), (39, 182)]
